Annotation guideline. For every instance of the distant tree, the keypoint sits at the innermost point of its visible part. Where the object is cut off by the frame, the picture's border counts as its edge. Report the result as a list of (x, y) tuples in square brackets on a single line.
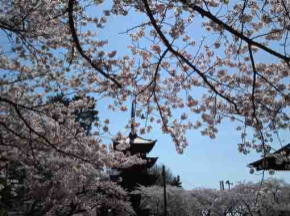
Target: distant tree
[(177, 199), (248, 199), (170, 179)]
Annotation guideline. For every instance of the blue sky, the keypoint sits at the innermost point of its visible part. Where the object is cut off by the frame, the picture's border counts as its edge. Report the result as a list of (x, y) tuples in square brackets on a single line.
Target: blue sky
[(205, 161)]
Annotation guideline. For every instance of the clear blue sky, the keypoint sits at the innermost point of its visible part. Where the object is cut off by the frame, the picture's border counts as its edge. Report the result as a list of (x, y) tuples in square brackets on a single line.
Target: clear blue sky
[(205, 161)]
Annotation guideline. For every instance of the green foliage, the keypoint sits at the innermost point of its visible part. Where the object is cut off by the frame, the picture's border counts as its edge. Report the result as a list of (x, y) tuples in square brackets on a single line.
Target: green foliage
[(170, 179)]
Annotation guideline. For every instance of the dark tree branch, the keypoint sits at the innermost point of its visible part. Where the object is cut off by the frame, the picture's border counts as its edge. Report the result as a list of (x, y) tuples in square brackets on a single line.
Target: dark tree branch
[(184, 59), (233, 31), (45, 139), (254, 83), (79, 47), (153, 81), (259, 125), (286, 9)]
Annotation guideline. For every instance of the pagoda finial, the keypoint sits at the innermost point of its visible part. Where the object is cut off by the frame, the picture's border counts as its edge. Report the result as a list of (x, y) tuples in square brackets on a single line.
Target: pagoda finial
[(133, 113)]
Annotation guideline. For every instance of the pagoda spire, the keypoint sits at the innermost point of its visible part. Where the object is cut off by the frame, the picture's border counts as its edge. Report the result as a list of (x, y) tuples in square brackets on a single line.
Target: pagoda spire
[(135, 174), (133, 121)]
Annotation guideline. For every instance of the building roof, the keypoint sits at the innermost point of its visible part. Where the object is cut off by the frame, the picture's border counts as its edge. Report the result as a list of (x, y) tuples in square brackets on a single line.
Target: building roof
[(151, 161), (137, 140), (279, 160), (136, 144)]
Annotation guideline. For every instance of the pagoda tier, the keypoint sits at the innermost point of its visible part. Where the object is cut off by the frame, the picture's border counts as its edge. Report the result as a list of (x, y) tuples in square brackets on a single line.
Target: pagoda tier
[(150, 161), (137, 145), (279, 161), (134, 178), (138, 173)]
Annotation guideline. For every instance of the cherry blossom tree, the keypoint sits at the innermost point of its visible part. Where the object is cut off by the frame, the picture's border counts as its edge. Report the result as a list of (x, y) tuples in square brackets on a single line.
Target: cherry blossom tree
[(238, 72), (272, 198), (62, 163), (237, 82)]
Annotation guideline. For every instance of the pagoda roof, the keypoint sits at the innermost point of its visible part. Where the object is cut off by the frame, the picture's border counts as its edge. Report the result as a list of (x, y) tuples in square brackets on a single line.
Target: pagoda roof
[(278, 160), (140, 141), (151, 161), (137, 144), (135, 139)]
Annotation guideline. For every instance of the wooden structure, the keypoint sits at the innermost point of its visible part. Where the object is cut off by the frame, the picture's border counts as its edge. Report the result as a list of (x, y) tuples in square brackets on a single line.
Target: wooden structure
[(140, 146), (137, 174), (278, 161), (135, 145)]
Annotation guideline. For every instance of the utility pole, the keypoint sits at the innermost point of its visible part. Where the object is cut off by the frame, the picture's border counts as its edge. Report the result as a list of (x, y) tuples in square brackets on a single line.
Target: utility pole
[(164, 190), (222, 186), (229, 184)]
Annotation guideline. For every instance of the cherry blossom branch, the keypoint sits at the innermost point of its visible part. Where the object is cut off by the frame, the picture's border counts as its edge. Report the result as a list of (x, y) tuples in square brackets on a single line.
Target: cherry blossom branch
[(30, 144), (233, 31), (271, 84), (19, 105), (12, 131), (286, 9), (254, 83), (164, 121), (248, 207), (18, 112), (79, 47), (153, 81), (8, 27), (184, 59), (45, 139), (135, 27), (259, 124), (160, 112)]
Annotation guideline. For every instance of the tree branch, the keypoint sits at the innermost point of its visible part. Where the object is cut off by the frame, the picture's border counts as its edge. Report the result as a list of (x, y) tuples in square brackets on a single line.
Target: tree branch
[(184, 59), (45, 139), (233, 31), (79, 47)]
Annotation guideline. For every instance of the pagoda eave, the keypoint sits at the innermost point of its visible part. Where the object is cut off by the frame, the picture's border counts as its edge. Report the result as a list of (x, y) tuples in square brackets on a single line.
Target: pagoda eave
[(270, 163), (151, 161), (279, 161), (141, 147)]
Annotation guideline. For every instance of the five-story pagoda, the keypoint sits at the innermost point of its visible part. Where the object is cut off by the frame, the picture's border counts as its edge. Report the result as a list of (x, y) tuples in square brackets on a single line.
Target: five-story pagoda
[(135, 145)]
